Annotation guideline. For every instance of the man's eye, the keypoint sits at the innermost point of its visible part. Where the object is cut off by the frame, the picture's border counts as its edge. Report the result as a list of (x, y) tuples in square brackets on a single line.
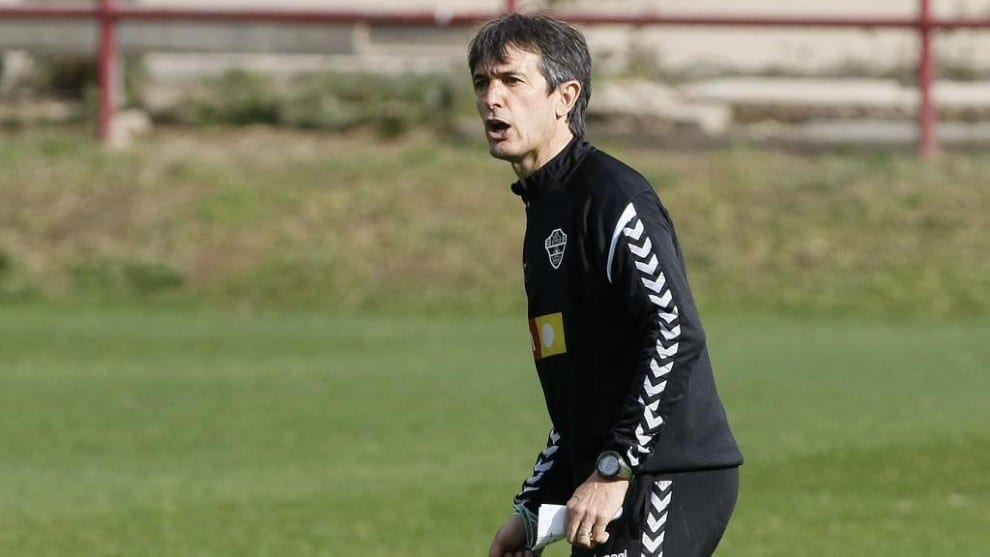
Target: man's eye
[(480, 84)]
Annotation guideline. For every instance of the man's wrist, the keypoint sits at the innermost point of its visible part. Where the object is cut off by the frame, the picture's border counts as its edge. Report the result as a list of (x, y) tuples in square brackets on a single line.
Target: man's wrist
[(596, 477)]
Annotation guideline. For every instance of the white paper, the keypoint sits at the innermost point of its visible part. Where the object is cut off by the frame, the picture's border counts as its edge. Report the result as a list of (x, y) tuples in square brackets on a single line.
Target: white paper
[(550, 527), (552, 523)]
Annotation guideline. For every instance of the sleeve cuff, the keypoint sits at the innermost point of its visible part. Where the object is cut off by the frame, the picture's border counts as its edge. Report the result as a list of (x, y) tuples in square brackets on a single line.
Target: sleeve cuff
[(529, 519)]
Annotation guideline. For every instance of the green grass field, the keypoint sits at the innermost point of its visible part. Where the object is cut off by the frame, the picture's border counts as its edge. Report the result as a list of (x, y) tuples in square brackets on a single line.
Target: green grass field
[(189, 432)]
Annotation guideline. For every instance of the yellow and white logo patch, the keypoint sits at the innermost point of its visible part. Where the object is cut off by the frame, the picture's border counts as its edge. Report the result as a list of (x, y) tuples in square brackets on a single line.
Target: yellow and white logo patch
[(547, 332)]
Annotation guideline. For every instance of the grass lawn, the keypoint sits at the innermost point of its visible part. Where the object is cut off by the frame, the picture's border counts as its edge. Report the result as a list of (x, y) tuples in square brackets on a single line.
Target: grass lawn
[(189, 432)]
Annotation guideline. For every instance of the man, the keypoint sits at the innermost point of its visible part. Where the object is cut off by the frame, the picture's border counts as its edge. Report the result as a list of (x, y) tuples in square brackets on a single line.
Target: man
[(619, 348)]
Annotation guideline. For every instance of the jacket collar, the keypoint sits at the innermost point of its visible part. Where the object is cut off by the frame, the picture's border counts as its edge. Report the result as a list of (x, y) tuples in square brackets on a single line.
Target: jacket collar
[(553, 173)]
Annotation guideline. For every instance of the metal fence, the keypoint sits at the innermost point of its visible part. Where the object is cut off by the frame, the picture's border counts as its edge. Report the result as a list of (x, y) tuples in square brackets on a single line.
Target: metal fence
[(108, 14)]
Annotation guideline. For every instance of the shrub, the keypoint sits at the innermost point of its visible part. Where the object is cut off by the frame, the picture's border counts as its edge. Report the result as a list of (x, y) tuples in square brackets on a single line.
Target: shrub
[(239, 98), (14, 284), (124, 277), (331, 101)]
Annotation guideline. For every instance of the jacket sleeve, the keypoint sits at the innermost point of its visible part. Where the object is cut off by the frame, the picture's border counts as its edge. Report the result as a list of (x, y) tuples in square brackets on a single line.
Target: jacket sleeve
[(645, 269), (547, 484)]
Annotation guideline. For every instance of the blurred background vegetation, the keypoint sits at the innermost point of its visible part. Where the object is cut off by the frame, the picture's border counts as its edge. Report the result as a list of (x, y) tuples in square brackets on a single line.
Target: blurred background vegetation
[(266, 217)]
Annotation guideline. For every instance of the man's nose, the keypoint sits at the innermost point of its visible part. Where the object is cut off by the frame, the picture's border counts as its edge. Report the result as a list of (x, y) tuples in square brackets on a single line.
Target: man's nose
[(494, 94)]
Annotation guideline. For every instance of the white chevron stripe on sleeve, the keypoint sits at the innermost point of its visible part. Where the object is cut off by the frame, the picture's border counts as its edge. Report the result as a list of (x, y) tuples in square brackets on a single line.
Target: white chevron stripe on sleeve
[(543, 463), (656, 523), (669, 316), (650, 267), (665, 351), (662, 301), (544, 466), (660, 370), (627, 215), (658, 503), (653, 545), (653, 390), (671, 334), (643, 438), (655, 285), (653, 421), (643, 250), (635, 232)]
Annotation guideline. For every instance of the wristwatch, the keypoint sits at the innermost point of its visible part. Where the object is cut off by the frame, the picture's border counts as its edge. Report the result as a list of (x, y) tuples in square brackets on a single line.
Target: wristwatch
[(612, 466)]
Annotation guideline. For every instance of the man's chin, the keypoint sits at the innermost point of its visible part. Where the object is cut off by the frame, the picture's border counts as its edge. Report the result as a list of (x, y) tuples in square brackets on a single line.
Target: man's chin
[(501, 152)]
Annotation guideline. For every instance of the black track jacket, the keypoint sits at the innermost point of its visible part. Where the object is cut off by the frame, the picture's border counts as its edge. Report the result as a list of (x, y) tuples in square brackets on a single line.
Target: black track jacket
[(618, 344)]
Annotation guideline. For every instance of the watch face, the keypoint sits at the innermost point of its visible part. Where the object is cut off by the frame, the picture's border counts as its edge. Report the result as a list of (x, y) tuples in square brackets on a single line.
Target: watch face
[(608, 466)]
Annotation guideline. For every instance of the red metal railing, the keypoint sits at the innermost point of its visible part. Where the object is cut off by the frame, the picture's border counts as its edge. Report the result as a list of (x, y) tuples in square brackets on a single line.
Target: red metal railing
[(108, 13)]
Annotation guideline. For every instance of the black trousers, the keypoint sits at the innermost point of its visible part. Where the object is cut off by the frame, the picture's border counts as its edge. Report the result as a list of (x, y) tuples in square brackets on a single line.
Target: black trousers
[(671, 515)]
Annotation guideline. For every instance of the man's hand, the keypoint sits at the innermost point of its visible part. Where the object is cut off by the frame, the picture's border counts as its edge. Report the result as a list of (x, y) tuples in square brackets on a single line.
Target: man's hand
[(592, 507), (510, 540)]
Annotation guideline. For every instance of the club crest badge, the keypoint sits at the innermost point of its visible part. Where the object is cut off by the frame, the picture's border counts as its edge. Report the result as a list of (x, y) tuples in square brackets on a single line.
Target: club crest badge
[(555, 243)]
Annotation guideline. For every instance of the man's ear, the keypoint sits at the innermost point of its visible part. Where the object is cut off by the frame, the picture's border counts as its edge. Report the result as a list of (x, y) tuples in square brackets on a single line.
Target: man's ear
[(569, 93)]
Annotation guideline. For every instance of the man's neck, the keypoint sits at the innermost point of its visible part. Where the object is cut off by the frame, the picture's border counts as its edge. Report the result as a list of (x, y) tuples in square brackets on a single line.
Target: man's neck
[(536, 160)]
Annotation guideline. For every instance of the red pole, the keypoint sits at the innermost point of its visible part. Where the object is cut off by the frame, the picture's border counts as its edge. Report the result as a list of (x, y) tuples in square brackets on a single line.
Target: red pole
[(511, 6), (108, 67), (927, 111)]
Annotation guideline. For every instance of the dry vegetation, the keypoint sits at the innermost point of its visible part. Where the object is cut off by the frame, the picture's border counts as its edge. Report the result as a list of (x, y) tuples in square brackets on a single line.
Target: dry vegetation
[(256, 216)]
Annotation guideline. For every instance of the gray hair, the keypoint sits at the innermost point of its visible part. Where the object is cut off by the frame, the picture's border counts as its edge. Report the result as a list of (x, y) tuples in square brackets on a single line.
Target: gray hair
[(563, 54)]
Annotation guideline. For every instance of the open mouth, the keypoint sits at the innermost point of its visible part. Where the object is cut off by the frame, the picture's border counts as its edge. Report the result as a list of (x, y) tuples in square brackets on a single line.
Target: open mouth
[(496, 128)]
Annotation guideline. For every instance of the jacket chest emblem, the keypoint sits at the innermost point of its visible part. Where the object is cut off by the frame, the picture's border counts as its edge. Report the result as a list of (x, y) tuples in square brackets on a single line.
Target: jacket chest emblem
[(555, 243)]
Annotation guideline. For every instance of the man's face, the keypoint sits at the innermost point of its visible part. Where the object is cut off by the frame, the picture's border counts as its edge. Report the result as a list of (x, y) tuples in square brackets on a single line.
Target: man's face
[(520, 117)]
